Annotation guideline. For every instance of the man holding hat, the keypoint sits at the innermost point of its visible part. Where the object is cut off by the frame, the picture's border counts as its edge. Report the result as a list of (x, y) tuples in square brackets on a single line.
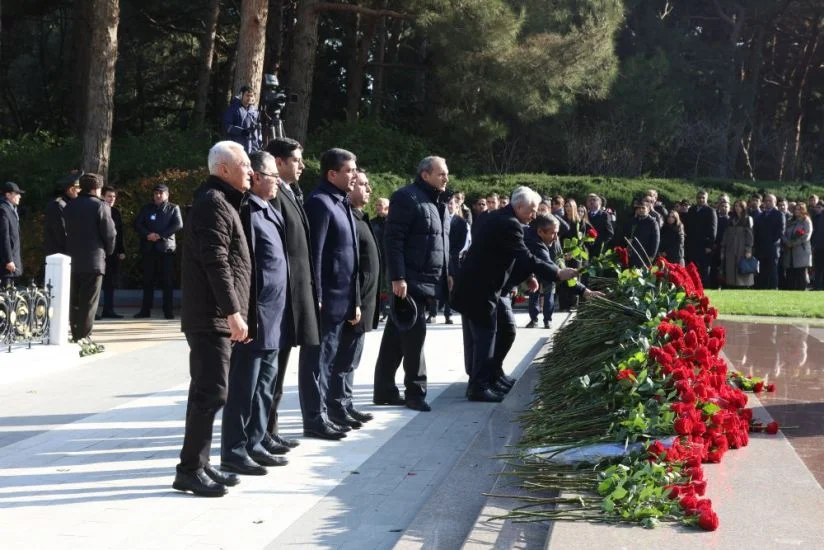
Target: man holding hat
[(11, 265), (54, 228), (156, 224)]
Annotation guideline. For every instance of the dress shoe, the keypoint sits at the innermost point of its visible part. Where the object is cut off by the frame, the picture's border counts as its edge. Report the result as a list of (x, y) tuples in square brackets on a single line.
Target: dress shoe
[(169, 316), (291, 443), (396, 401), (110, 315), (142, 315), (499, 387), (531, 324), (418, 404), (345, 420), (323, 431), (198, 483), (268, 459), (509, 380), (430, 319), (245, 467), (343, 428), (229, 480), (546, 324), (449, 321), (359, 415), (274, 447), (485, 395), (98, 317)]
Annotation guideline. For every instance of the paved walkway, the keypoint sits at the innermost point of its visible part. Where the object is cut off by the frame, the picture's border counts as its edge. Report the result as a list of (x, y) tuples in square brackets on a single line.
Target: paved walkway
[(88, 449)]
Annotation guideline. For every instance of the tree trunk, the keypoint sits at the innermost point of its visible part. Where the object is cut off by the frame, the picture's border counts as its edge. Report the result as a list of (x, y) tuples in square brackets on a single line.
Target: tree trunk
[(97, 131), (302, 69), (357, 69), (274, 37), (251, 44), (809, 55), (206, 57), (380, 58), (81, 29)]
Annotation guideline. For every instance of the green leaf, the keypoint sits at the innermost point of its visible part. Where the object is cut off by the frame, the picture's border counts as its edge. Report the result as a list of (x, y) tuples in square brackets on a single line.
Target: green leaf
[(618, 493)]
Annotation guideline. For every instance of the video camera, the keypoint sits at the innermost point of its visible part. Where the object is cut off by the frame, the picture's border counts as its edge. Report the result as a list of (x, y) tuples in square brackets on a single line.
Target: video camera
[(273, 100)]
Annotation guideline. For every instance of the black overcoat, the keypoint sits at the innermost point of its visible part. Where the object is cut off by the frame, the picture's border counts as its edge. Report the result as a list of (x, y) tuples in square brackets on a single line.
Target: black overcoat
[(54, 226), (10, 250), (90, 233), (370, 272), (769, 228)]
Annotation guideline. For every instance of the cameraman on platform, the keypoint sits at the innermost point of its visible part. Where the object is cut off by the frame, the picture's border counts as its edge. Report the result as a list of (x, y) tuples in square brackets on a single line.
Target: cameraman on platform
[(241, 120)]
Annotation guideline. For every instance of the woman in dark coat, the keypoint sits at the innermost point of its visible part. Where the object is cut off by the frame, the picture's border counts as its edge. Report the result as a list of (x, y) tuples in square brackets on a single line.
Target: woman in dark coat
[(736, 244), (577, 228), (672, 239)]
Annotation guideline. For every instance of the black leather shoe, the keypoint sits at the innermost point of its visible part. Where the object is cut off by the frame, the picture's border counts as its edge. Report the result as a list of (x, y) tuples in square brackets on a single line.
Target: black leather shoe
[(485, 395), (343, 428), (273, 447), (546, 324), (430, 320), (198, 483), (508, 380), (531, 324), (499, 387), (169, 316), (324, 431), (142, 315), (396, 401), (345, 420), (291, 443), (449, 322), (247, 467), (229, 480), (98, 317), (110, 315), (359, 415), (418, 404), (268, 459)]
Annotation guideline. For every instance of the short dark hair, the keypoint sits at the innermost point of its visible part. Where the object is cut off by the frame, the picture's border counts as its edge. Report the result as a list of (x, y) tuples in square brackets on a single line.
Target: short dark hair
[(756, 196), (108, 189), (493, 195), (258, 159), (542, 221), (90, 182), (245, 88), (333, 159), (283, 148)]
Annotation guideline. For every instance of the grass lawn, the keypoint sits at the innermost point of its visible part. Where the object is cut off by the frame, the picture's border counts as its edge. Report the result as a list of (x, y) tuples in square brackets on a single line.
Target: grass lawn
[(778, 303)]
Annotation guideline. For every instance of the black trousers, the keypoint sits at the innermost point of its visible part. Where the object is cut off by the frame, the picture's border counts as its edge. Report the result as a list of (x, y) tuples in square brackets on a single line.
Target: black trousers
[(283, 360), (158, 266), (315, 369), (209, 354), (83, 297), (402, 346), (252, 376), (110, 279), (504, 337), (342, 380), (818, 265), (767, 277)]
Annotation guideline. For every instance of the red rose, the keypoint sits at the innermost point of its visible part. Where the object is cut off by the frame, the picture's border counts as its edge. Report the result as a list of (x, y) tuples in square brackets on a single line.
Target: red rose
[(592, 233), (626, 374), (700, 487), (683, 426), (689, 503), (708, 520), (655, 449), (771, 388), (772, 428), (800, 232), (758, 387)]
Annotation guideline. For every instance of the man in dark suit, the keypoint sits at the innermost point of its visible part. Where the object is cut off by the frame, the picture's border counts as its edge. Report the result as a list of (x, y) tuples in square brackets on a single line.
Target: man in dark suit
[(700, 227), (334, 247), (378, 224), (113, 261), (216, 277), (254, 366), (754, 207), (601, 221), (54, 226), (90, 237), (303, 317), (156, 224), (370, 272), (644, 236), (489, 264), (11, 262), (768, 230), (417, 258), (817, 238), (459, 239)]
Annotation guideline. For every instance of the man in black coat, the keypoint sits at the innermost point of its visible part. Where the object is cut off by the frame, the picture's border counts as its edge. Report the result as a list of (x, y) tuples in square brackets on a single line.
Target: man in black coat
[(700, 228), (378, 224), (216, 277), (11, 262), (417, 259), (644, 236), (334, 246), (254, 364), (156, 225), (487, 269), (370, 272), (302, 312), (54, 226), (90, 237), (113, 261), (601, 221), (459, 240), (768, 231), (817, 238)]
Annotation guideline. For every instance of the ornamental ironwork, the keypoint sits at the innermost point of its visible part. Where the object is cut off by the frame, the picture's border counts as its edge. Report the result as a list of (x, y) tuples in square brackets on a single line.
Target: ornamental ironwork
[(25, 315)]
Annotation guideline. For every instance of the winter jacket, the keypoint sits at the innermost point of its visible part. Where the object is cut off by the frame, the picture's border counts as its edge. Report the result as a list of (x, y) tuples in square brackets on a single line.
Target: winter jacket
[(165, 220), (90, 233)]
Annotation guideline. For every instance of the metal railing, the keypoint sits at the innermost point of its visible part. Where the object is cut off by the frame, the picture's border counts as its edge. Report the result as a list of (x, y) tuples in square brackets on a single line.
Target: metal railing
[(25, 315)]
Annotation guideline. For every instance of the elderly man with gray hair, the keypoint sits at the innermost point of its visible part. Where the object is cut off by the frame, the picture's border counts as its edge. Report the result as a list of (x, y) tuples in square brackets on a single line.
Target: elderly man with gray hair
[(216, 278), (484, 278)]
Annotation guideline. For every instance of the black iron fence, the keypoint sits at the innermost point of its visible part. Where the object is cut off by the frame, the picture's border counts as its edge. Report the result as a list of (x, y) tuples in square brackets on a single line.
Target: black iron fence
[(25, 315)]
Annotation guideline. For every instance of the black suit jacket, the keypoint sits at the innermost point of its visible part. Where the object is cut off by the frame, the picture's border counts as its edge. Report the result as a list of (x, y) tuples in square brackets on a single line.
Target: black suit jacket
[(645, 237), (769, 228), (489, 264), (700, 230), (303, 298), (54, 226), (90, 233), (119, 246), (370, 272), (601, 221), (9, 240)]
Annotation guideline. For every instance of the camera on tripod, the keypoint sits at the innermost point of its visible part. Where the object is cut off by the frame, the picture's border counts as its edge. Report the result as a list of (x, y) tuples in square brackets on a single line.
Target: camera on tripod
[(273, 100)]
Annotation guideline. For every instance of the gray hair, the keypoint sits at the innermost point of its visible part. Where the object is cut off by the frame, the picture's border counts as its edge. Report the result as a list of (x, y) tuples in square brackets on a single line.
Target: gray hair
[(544, 220), (222, 151), (427, 163), (260, 159), (524, 195)]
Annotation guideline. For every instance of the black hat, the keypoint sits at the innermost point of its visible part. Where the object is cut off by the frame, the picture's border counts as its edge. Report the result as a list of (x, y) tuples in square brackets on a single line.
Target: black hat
[(403, 312), (161, 187), (11, 187), (70, 179)]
